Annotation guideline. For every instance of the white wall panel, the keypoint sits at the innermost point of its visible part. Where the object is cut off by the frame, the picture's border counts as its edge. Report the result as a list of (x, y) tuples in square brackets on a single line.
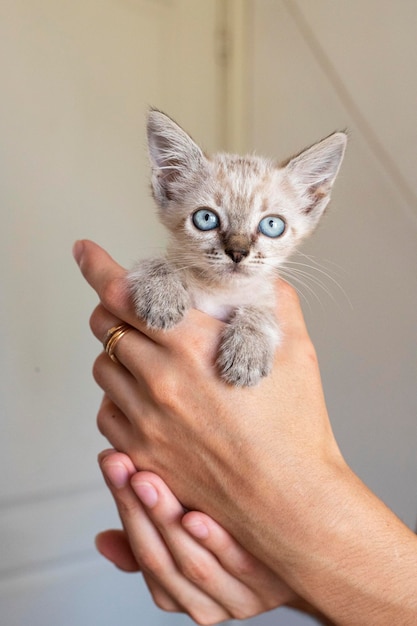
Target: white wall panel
[(317, 67), (372, 57), (89, 592), (77, 77)]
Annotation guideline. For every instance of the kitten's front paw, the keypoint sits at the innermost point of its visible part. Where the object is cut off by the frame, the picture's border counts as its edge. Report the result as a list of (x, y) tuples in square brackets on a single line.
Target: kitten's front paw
[(245, 356), (159, 296)]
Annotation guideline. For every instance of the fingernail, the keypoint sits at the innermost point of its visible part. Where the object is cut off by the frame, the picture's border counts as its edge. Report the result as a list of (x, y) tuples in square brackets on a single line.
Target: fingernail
[(146, 493), (197, 529), (116, 474), (77, 251)]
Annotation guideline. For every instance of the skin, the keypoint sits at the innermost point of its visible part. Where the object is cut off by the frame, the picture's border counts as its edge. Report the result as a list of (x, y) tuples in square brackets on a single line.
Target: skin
[(262, 461), (173, 548), (189, 562)]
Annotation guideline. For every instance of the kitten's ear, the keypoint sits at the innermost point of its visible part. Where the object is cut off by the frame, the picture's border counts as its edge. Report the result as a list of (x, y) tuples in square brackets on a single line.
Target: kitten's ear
[(175, 157), (314, 171)]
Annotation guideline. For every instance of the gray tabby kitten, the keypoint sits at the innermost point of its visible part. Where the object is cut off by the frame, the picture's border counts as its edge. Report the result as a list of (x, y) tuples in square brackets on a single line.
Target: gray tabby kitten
[(232, 222)]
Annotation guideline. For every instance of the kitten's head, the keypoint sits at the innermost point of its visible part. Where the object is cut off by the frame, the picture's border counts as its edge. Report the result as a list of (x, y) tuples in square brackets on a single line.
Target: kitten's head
[(231, 216)]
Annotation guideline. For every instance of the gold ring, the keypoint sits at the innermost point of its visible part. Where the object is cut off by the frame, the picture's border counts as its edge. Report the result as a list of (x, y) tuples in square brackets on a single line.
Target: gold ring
[(112, 337)]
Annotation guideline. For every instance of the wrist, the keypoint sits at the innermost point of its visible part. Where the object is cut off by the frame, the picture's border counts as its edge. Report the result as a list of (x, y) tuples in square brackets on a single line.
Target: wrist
[(347, 553)]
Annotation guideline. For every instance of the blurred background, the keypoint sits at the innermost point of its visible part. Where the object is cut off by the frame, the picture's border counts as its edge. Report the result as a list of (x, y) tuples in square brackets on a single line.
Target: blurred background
[(77, 77)]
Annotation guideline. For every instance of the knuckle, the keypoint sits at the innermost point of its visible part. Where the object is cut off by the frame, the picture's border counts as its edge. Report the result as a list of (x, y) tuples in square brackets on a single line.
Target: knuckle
[(104, 414), (163, 603), (245, 566), (200, 619), (310, 352), (289, 291), (166, 390), (112, 293), (243, 614), (160, 595), (101, 322), (194, 347), (100, 422), (195, 570), (98, 367), (127, 507), (206, 616), (94, 321), (249, 608), (152, 564), (306, 354)]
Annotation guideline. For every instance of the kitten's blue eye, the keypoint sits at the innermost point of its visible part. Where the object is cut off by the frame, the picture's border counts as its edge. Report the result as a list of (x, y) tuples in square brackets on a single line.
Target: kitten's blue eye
[(204, 219), (272, 226)]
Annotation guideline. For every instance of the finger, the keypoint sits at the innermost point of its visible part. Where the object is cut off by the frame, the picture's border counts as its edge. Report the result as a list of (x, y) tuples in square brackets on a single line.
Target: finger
[(104, 275), (108, 279), (114, 546), (130, 347), (113, 424), (161, 598), (238, 561), (202, 331), (101, 320), (288, 309), (157, 370), (198, 564), (149, 547)]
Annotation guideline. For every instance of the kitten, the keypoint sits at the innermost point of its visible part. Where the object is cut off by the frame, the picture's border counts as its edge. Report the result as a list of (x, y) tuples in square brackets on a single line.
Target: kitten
[(232, 222)]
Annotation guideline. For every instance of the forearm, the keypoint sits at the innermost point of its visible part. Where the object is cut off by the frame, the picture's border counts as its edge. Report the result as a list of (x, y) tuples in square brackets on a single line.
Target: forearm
[(341, 548)]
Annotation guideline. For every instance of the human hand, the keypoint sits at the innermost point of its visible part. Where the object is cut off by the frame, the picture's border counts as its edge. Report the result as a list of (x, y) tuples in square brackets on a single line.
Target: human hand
[(219, 448), (189, 562), (262, 461)]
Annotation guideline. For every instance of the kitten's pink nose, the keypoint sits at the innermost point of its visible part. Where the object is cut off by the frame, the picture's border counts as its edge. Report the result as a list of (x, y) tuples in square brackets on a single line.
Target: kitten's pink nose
[(237, 255)]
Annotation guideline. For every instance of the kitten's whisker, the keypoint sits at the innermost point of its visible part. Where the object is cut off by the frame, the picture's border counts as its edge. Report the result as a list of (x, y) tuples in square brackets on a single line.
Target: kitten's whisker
[(180, 264), (322, 262), (316, 281), (316, 267), (325, 274), (294, 271), (291, 279)]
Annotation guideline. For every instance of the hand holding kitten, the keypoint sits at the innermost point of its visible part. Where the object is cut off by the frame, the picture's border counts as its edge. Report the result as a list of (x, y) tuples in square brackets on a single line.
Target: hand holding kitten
[(262, 461)]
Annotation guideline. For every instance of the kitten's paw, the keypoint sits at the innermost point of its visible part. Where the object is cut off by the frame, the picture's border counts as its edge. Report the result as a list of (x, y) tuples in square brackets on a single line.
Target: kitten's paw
[(243, 363), (246, 350), (158, 294)]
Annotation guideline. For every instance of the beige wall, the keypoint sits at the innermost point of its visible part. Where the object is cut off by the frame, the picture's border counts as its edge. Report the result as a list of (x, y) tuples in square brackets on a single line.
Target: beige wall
[(76, 79), (322, 65)]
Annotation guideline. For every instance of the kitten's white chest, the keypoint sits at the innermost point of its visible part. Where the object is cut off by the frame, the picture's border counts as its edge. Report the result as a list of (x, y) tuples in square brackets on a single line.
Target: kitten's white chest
[(213, 305), (221, 303)]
